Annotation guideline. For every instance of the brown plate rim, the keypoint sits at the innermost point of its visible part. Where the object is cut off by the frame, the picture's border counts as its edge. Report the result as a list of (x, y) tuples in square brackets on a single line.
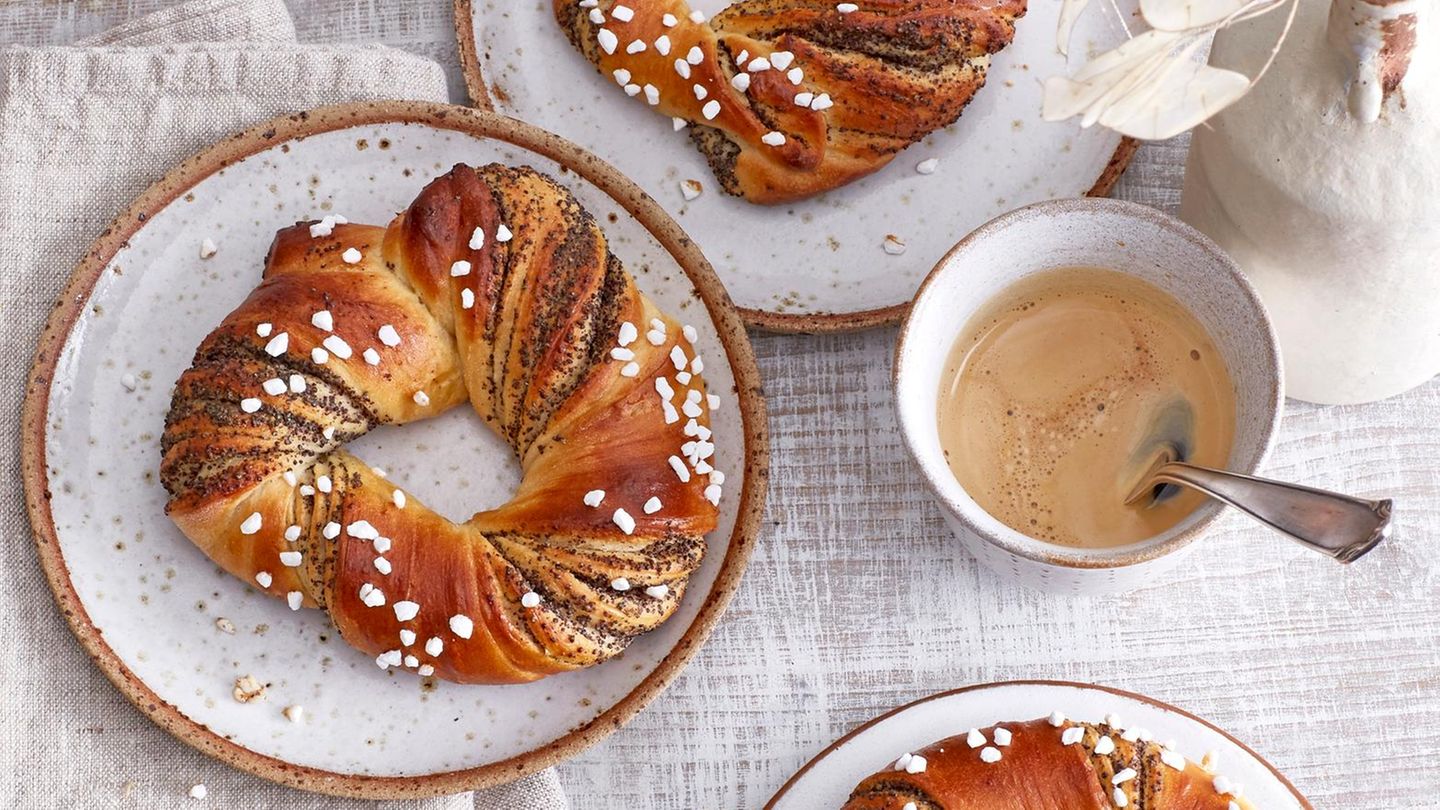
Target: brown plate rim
[(797, 323), (1160, 704), (478, 123)]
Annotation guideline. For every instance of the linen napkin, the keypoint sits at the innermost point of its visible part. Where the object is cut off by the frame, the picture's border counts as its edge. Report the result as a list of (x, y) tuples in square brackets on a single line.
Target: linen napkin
[(82, 131)]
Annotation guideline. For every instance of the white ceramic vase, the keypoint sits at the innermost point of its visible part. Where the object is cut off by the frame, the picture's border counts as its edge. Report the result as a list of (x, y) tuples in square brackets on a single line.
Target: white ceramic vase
[(1324, 184)]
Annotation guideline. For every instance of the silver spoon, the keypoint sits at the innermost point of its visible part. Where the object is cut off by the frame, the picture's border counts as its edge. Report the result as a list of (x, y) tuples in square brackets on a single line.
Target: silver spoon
[(1339, 526)]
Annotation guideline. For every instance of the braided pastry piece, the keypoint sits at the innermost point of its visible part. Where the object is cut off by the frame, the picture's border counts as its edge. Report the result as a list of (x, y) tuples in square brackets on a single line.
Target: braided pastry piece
[(494, 288), (789, 98), (1046, 765)]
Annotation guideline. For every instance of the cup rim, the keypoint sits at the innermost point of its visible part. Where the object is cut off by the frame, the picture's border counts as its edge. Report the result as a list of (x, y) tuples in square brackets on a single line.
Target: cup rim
[(1015, 541)]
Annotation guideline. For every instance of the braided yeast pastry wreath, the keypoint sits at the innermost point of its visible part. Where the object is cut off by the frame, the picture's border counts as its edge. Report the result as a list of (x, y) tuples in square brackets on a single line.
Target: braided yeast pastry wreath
[(497, 289), (1047, 764), (789, 98)]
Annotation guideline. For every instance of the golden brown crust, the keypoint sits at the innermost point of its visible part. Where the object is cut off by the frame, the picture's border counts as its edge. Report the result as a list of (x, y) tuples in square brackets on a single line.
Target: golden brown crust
[(531, 353), (852, 89), (1038, 769)]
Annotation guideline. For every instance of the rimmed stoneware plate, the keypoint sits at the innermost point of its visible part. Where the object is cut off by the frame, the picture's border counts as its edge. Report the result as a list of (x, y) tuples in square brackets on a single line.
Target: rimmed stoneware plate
[(145, 602), (817, 265), (826, 781)]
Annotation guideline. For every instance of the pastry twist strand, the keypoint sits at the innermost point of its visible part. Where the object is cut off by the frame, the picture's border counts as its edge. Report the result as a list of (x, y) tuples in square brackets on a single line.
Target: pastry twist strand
[(494, 288), (789, 98)]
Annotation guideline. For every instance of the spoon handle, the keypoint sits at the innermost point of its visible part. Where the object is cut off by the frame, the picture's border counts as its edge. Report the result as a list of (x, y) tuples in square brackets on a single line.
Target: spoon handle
[(1338, 525)]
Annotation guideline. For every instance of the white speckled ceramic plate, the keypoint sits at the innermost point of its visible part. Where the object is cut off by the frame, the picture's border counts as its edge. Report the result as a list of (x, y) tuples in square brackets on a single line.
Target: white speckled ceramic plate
[(818, 264), (826, 781), (145, 602)]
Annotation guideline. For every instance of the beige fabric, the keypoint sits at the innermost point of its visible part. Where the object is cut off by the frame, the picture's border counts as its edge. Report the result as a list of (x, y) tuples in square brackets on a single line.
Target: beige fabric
[(83, 130)]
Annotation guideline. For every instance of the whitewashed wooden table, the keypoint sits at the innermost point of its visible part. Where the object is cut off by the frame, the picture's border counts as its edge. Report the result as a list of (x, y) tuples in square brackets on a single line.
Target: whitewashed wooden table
[(857, 600)]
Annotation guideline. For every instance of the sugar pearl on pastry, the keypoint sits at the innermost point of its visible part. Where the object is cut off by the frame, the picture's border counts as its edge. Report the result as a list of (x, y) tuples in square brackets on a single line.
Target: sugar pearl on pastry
[(503, 234), (620, 584), (662, 45), (975, 739), (363, 530), (623, 13), (530, 600), (664, 389), (804, 99), (908, 806), (636, 46), (199, 791), (652, 95), (1113, 720), (717, 478), (927, 166), (381, 544), (291, 559), (350, 256), (387, 659), (461, 625), (758, 64), (695, 55), (773, 138), (700, 91), (328, 433), (295, 599), (683, 378), (597, 16), (425, 670), (594, 497), (337, 346), (307, 490), (989, 755), (323, 483), (624, 521), (1123, 776), (434, 646), (652, 506), (781, 59), (677, 356), (657, 591), (627, 334), (264, 579), (713, 401), (379, 472), (697, 16), (372, 357), (1002, 736), (397, 497), (251, 524), (917, 764), (621, 353), (631, 369), (405, 610), (677, 123), (632, 90), (1120, 799), (607, 39), (846, 8), (387, 333), (383, 566), (1223, 786), (421, 398), (822, 102), (331, 530), (743, 57), (263, 330), (710, 110), (323, 320), (795, 75), (467, 299), (903, 761), (319, 356), (671, 415), (712, 494), (1104, 746), (278, 344), (1056, 719), (1172, 758), (273, 386), (460, 268), (668, 20), (371, 595), (691, 409), (1072, 735), (681, 471), (656, 337), (292, 533)]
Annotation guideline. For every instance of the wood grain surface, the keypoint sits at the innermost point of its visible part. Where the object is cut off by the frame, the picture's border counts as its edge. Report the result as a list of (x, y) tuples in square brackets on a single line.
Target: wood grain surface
[(857, 599)]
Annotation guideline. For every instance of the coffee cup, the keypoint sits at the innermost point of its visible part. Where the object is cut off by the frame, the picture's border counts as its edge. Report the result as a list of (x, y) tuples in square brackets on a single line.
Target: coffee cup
[(1087, 232)]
